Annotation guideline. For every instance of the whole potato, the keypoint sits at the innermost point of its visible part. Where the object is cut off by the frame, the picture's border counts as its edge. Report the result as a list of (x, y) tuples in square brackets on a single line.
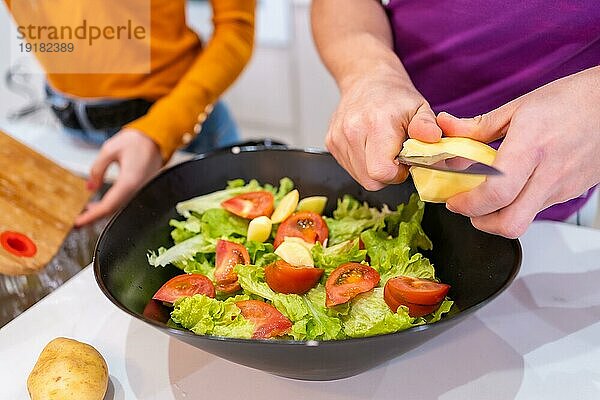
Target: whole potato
[(66, 370)]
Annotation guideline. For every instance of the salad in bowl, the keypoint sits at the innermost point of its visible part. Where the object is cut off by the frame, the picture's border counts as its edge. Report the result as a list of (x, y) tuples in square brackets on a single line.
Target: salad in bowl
[(259, 261)]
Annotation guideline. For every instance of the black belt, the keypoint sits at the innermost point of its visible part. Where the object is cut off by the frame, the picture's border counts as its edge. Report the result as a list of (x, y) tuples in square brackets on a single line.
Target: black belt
[(100, 116)]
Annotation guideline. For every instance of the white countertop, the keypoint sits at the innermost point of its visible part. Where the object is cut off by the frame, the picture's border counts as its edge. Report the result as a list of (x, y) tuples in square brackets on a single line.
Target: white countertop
[(538, 340)]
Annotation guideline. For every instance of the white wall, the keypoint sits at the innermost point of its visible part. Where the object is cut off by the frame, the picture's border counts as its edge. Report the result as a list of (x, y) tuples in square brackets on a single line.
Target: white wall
[(285, 92), (10, 101)]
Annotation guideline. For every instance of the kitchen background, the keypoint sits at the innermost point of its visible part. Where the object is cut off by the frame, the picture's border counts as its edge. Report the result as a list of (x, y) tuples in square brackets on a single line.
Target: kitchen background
[(284, 93)]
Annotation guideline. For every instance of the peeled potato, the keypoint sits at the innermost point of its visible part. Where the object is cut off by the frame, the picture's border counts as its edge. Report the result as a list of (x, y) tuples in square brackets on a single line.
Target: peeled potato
[(315, 204), (298, 240), (286, 207), (68, 370), (438, 186), (295, 253), (259, 229)]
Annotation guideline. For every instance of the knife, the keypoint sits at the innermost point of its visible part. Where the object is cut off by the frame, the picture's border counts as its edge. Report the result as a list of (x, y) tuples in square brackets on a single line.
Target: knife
[(450, 163)]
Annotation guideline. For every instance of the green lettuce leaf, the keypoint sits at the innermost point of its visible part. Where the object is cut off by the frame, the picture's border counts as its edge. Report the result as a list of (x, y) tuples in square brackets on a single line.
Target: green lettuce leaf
[(393, 256), (348, 228), (369, 315), (238, 183), (218, 223), (351, 217), (416, 266), (331, 257), (290, 305), (405, 212), (311, 319), (185, 229), (213, 200), (349, 207), (411, 234), (444, 308), (252, 279), (286, 185), (201, 263), (206, 316), (261, 254), (182, 251)]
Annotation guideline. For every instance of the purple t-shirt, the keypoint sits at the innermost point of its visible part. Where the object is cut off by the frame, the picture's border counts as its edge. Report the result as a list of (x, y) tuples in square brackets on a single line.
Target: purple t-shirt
[(468, 57)]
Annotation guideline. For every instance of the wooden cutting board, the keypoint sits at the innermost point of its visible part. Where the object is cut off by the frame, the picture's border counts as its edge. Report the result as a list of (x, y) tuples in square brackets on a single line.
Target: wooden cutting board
[(39, 201)]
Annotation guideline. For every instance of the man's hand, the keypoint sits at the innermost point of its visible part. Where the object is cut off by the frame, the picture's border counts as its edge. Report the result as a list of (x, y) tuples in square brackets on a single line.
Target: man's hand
[(139, 159), (379, 105), (550, 153), (373, 119)]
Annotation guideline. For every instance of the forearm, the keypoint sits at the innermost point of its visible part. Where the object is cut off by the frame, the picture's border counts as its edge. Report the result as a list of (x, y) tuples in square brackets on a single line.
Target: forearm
[(215, 69), (354, 38)]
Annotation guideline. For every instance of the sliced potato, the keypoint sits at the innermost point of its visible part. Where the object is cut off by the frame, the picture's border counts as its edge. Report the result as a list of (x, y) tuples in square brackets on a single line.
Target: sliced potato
[(438, 186), (315, 204), (286, 207), (68, 370), (259, 229), (295, 253), (298, 240)]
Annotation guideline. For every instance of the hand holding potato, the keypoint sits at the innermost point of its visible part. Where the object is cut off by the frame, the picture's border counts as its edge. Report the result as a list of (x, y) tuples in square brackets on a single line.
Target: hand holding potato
[(549, 154), (68, 370)]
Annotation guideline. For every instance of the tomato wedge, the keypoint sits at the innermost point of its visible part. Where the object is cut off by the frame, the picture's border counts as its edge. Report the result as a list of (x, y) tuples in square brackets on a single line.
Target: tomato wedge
[(349, 280), (251, 205), (185, 285), (421, 296), (306, 225), (228, 255), (268, 321), (157, 311), (286, 278)]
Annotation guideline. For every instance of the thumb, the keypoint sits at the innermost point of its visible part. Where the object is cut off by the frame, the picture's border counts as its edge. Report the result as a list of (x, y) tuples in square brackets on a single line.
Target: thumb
[(483, 128), (423, 126)]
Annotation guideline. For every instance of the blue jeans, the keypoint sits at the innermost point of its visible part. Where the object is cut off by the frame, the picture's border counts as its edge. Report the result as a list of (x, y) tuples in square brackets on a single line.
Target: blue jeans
[(218, 130)]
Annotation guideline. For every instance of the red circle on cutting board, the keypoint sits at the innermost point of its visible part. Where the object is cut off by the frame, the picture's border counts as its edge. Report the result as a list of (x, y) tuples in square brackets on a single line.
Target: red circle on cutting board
[(18, 244)]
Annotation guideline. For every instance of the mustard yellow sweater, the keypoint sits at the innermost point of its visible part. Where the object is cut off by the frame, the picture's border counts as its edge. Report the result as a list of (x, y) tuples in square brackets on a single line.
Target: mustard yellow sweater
[(185, 78)]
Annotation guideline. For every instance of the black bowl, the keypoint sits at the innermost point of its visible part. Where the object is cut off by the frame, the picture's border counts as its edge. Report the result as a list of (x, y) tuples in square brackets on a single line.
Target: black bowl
[(477, 265)]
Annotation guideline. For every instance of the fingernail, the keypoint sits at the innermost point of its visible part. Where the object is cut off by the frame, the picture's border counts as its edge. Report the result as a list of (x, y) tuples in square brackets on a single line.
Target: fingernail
[(450, 208)]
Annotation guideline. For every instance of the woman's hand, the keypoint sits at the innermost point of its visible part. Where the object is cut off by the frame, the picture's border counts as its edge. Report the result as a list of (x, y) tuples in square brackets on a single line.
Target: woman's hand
[(550, 153), (376, 113), (139, 159)]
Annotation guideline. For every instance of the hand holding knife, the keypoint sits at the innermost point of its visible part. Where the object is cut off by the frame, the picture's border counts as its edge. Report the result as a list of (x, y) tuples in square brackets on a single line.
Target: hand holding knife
[(449, 163)]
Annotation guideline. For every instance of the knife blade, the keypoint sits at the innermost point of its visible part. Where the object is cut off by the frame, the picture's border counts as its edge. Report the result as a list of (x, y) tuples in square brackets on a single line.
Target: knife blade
[(449, 163)]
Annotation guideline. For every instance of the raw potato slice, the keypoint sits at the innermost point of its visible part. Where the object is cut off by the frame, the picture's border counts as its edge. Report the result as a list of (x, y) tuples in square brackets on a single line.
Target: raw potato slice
[(438, 186), (286, 207), (68, 369), (298, 240), (315, 204), (259, 229), (295, 253)]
